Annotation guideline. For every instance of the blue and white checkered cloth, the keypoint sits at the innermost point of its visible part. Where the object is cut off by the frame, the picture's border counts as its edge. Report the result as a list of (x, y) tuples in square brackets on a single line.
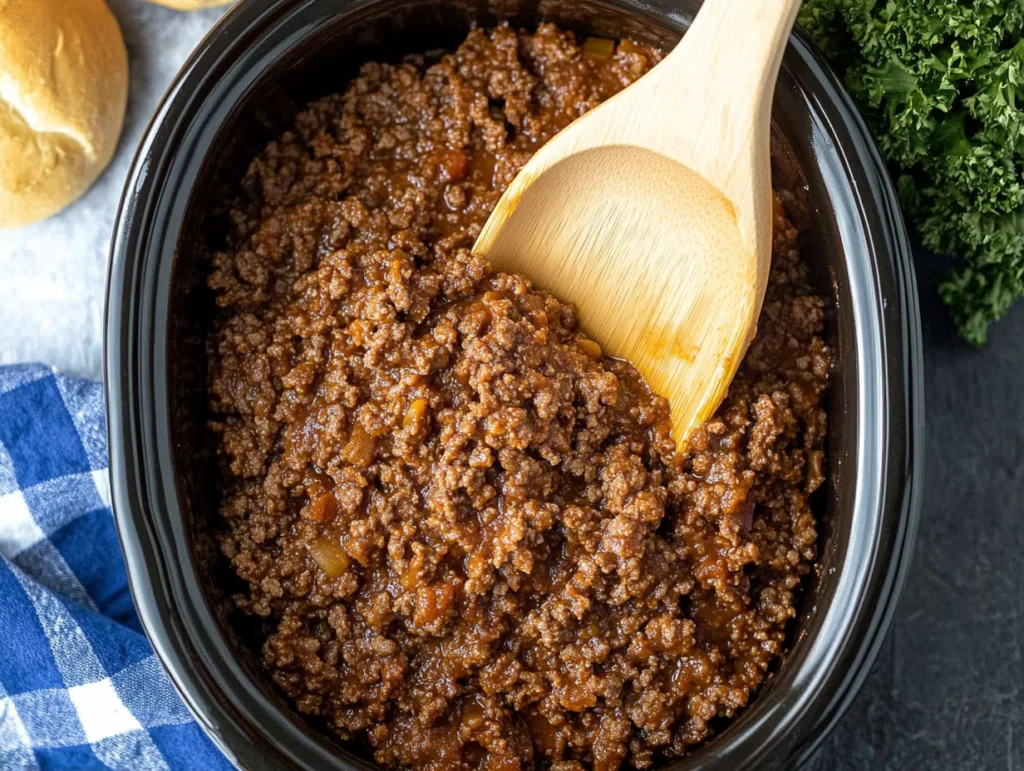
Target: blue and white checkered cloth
[(80, 687)]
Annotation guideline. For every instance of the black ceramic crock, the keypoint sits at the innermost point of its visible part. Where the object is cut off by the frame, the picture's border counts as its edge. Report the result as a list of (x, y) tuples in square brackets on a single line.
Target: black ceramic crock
[(242, 86)]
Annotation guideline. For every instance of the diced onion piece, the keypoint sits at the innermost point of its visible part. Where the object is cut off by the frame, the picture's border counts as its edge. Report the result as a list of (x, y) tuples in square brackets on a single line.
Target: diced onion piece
[(589, 348), (598, 47), (415, 413), (329, 557), (360, 447), (322, 508)]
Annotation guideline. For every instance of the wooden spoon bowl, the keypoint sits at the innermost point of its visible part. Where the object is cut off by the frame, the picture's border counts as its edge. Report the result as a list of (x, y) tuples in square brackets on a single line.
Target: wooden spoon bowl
[(652, 213)]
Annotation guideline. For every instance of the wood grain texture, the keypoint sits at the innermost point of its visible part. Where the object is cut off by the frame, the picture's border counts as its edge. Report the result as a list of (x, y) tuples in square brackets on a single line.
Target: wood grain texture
[(652, 213)]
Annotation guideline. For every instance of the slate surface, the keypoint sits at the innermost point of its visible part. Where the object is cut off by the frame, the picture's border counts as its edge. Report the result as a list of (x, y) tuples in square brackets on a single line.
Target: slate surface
[(946, 692)]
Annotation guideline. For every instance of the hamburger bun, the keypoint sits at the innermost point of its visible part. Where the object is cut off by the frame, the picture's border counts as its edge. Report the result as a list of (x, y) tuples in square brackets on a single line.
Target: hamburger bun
[(63, 90)]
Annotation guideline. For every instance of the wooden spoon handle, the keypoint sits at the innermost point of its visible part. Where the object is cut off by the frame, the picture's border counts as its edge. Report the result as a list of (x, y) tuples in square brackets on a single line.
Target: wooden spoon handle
[(714, 91), (739, 44), (730, 58)]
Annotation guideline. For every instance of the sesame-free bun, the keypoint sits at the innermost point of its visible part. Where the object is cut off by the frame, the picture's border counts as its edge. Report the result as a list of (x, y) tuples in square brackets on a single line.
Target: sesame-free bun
[(63, 89), (190, 5)]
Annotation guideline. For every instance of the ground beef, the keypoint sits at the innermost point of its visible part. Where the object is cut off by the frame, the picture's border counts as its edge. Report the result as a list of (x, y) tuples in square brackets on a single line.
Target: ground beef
[(468, 530)]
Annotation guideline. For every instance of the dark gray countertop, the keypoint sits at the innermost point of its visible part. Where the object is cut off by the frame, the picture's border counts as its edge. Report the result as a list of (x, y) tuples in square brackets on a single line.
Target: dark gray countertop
[(946, 691)]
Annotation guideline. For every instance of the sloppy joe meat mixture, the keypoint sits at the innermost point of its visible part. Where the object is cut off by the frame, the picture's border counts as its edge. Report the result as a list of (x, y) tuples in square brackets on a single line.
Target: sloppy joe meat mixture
[(467, 530)]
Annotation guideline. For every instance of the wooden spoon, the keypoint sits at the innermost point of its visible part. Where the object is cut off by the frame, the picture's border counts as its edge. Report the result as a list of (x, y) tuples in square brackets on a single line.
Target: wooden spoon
[(652, 213)]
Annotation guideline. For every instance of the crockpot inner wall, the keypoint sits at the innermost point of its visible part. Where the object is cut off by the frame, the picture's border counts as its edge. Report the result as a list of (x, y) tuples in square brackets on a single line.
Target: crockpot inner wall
[(323, 63)]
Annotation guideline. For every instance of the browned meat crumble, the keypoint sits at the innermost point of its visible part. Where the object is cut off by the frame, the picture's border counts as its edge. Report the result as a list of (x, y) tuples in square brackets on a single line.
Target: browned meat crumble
[(467, 528)]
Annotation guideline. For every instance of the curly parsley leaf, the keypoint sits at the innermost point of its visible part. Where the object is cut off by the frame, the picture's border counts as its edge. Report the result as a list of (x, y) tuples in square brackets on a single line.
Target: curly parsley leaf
[(941, 83)]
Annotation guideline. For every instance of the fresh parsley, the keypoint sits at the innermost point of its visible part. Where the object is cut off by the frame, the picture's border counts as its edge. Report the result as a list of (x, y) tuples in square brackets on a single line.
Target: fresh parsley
[(941, 83)]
